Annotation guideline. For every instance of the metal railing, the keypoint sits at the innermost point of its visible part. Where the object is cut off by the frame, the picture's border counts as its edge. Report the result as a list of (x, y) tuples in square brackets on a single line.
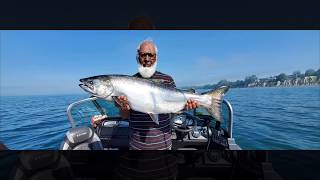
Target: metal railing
[(230, 113), (71, 120)]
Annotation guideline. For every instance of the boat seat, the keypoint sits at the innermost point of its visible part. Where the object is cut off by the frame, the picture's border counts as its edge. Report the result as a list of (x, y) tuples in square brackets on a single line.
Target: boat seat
[(81, 138)]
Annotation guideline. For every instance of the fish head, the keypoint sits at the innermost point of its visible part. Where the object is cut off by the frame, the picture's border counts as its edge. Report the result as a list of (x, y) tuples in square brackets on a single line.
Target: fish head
[(98, 86)]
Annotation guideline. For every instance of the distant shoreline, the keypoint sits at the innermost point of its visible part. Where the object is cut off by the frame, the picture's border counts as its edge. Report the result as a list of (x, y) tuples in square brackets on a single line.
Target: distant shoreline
[(314, 85), (296, 79)]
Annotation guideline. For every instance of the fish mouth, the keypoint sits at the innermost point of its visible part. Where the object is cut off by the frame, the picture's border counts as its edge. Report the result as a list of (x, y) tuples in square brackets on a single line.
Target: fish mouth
[(86, 88)]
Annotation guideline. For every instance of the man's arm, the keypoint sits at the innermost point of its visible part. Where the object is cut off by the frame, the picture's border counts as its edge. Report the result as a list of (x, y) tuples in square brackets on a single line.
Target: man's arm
[(124, 113)]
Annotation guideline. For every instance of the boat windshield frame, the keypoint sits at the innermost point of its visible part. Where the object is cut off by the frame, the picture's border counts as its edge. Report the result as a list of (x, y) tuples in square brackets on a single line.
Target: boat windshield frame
[(69, 109), (230, 113)]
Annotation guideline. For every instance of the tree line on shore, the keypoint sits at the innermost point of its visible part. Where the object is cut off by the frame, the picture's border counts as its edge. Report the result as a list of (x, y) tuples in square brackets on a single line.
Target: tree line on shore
[(310, 77)]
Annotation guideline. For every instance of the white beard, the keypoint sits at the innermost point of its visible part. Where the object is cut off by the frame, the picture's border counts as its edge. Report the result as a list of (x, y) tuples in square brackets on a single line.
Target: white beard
[(147, 72)]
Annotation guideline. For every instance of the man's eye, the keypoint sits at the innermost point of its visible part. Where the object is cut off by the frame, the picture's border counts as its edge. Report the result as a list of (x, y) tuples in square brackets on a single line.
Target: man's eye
[(147, 54)]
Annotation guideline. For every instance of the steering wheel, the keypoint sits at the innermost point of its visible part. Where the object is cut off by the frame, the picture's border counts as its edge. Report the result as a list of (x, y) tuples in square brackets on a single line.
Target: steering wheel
[(182, 123)]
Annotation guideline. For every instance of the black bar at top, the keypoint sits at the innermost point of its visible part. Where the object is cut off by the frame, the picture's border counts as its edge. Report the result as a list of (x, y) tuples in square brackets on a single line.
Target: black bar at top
[(214, 14)]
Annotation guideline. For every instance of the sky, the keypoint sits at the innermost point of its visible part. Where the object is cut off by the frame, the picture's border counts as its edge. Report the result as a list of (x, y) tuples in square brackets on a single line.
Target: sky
[(53, 61)]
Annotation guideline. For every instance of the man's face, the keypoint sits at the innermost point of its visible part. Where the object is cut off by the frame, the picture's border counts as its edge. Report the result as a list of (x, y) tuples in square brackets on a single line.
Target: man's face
[(147, 54)]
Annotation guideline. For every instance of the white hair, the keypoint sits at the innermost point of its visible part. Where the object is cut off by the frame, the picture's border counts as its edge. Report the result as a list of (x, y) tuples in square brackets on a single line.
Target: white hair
[(148, 40), (147, 72)]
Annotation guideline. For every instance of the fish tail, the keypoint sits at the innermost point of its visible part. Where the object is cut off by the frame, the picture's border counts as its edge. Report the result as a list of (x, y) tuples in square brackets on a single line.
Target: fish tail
[(216, 99)]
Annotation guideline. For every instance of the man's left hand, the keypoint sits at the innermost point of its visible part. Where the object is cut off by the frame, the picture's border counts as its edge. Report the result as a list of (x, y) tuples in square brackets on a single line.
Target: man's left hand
[(95, 120), (191, 104)]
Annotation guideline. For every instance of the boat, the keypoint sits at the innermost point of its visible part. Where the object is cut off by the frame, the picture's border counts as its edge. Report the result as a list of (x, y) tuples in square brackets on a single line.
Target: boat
[(191, 130)]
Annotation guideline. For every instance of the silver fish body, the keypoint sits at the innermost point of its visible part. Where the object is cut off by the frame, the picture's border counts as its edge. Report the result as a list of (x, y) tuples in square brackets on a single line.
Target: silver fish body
[(149, 97)]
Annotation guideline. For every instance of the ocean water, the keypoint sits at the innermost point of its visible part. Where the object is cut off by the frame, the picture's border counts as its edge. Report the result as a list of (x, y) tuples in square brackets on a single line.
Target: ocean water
[(264, 118)]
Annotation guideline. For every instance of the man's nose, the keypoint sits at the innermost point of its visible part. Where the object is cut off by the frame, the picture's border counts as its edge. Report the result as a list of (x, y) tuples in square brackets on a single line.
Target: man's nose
[(148, 57)]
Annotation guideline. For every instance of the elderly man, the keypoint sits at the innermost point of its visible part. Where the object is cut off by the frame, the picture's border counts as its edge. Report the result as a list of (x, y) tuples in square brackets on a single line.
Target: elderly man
[(144, 133)]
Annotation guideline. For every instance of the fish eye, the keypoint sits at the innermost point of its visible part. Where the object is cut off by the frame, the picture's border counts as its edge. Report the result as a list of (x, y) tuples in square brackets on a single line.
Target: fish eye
[(91, 82)]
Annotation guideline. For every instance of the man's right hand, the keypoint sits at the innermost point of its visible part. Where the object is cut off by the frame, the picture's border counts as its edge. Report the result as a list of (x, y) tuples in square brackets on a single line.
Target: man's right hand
[(123, 102)]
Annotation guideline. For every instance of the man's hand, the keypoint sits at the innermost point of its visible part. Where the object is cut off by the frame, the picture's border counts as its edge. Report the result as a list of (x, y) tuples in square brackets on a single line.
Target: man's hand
[(191, 104), (123, 102), (95, 120)]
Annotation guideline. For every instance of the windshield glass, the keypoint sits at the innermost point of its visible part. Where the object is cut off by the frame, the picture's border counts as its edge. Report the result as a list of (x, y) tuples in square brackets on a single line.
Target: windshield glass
[(84, 111), (224, 112)]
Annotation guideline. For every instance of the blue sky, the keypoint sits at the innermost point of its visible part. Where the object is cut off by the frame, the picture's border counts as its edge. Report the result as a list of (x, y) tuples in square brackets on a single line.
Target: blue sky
[(52, 62)]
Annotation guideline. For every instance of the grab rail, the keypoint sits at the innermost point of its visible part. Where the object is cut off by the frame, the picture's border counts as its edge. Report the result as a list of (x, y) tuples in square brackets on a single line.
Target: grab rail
[(72, 121), (230, 111)]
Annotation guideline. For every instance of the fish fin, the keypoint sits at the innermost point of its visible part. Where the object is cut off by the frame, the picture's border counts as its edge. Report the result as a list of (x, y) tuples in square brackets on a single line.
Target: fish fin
[(216, 99), (154, 117)]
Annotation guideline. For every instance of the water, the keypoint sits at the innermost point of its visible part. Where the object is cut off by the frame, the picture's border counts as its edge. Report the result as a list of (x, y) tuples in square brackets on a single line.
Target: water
[(34, 122), (276, 118), (264, 118)]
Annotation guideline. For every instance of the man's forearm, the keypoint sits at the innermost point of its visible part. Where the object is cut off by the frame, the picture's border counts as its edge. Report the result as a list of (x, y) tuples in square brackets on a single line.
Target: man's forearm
[(125, 114)]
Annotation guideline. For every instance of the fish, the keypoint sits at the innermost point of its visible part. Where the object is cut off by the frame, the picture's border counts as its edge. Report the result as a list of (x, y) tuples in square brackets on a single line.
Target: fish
[(152, 98)]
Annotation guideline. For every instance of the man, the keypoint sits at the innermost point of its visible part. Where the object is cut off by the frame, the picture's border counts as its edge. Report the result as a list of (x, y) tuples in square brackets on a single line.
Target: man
[(144, 133)]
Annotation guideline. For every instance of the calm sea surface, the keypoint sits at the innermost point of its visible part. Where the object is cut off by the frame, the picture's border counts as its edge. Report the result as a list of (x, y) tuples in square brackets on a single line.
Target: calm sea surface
[(264, 118)]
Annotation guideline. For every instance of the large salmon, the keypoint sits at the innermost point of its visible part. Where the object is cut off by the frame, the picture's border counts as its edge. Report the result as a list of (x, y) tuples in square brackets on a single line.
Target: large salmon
[(149, 97)]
